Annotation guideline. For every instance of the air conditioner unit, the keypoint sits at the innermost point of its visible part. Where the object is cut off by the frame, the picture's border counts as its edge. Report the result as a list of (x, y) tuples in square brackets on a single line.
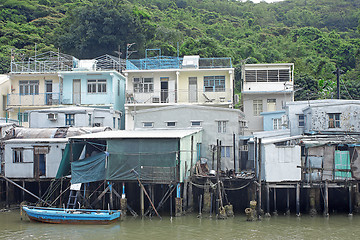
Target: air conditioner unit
[(155, 100), (52, 116), (284, 120)]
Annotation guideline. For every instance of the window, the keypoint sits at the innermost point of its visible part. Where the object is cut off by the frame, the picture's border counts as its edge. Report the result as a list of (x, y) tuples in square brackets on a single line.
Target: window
[(214, 84), (225, 151), (271, 105), (18, 155), (148, 124), (96, 86), (334, 120), (114, 122), (119, 123), (29, 87), (69, 119), (221, 126), (195, 123), (170, 124), (257, 107), (301, 120), (143, 85), (23, 117), (276, 123)]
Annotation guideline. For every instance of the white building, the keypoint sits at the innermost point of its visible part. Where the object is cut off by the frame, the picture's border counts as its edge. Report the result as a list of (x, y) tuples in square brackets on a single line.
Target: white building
[(75, 117), (265, 88), (165, 81), (218, 123)]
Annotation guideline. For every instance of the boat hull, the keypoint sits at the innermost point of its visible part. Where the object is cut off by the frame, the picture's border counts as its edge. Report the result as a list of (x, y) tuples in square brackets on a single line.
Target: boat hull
[(71, 216)]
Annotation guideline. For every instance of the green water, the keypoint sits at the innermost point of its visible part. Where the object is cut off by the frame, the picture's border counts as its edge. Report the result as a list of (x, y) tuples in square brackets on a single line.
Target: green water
[(187, 227)]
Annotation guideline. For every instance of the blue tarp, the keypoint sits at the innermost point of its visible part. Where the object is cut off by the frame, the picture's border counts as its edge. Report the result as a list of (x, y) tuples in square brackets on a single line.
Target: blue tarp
[(90, 169)]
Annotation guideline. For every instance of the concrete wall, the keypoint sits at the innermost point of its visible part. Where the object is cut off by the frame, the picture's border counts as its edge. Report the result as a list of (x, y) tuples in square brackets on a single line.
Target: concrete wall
[(318, 118), (316, 115), (39, 119), (26, 168), (268, 120), (179, 85), (115, 88), (5, 86), (208, 116), (185, 157), (255, 123)]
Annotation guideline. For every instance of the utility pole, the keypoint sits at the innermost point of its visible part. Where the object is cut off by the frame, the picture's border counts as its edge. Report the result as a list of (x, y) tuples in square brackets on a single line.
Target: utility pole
[(338, 72)]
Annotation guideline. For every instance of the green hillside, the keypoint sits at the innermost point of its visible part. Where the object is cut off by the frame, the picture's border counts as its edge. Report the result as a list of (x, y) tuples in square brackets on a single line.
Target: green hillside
[(316, 35)]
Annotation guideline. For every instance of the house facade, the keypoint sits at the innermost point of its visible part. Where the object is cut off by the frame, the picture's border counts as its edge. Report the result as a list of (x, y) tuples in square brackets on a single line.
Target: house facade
[(265, 88), (75, 117), (164, 81), (217, 123), (323, 116), (32, 91)]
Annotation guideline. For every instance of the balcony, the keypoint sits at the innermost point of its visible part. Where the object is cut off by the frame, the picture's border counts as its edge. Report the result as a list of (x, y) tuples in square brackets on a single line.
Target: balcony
[(41, 99), (179, 96), (176, 63)]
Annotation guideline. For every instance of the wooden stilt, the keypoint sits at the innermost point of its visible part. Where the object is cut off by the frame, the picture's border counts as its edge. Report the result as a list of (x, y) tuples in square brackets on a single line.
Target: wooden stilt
[(312, 199), (185, 195), (7, 194), (326, 200), (111, 195), (298, 200), (350, 201), (39, 184), (287, 201), (267, 200), (22, 192), (142, 207), (275, 207)]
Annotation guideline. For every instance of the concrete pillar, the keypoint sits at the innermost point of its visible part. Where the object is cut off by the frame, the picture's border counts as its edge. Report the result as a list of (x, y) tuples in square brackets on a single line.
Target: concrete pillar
[(312, 202), (275, 213), (287, 201), (142, 207), (207, 199), (326, 199), (185, 206), (178, 207), (350, 201), (298, 200), (267, 214), (123, 206)]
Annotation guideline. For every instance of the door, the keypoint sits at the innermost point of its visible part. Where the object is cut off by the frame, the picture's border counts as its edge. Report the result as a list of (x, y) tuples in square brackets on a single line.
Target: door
[(76, 91), (48, 92), (39, 165), (193, 90), (164, 90)]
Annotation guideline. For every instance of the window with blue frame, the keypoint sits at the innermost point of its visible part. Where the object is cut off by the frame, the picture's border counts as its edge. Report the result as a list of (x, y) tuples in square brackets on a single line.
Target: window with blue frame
[(69, 119), (225, 151), (214, 83)]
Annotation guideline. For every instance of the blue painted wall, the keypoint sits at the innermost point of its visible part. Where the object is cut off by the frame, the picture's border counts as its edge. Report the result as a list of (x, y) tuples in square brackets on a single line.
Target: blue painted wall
[(268, 119), (115, 90)]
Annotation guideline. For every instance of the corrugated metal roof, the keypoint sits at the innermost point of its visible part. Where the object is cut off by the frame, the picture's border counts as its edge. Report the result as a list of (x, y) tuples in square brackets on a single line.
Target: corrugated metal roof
[(140, 134), (38, 140)]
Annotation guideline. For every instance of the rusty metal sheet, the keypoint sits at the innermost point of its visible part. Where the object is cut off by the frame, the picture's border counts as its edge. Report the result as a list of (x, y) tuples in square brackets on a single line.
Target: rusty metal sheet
[(316, 151), (355, 163), (328, 162)]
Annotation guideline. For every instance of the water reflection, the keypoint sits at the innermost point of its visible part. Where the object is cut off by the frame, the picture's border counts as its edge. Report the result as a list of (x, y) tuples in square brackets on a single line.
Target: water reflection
[(188, 227)]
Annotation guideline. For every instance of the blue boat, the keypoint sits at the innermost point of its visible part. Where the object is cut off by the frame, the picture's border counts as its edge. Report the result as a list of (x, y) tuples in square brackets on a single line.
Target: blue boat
[(71, 216)]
